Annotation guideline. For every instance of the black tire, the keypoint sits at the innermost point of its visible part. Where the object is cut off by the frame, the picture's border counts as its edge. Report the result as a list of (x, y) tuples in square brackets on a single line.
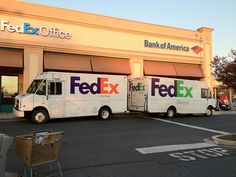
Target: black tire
[(171, 112), (39, 116), (104, 113), (209, 112)]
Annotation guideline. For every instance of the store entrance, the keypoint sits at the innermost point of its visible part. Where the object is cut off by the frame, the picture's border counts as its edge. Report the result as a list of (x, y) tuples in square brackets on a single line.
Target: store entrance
[(9, 89)]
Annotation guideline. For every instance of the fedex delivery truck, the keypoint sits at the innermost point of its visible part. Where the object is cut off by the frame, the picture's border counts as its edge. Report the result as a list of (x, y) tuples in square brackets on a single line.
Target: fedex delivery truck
[(59, 95), (170, 96)]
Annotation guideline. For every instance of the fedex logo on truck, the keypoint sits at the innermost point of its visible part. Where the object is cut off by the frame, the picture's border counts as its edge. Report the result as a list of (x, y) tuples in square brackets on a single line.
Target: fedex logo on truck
[(102, 86), (176, 90), (138, 87)]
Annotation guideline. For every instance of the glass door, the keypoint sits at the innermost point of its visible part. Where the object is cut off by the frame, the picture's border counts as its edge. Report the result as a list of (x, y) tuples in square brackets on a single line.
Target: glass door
[(9, 89)]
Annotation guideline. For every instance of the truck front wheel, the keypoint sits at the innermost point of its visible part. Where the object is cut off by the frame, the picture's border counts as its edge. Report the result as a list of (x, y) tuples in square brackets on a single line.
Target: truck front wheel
[(104, 113), (39, 116)]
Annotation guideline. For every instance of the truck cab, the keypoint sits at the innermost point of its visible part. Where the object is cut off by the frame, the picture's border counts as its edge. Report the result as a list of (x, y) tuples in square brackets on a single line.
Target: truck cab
[(43, 98)]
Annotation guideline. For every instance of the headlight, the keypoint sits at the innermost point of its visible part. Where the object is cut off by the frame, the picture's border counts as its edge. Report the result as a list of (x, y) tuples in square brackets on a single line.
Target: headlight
[(17, 104)]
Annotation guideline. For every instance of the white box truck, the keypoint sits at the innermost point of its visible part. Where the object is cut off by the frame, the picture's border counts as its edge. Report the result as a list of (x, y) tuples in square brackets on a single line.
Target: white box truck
[(170, 96), (59, 95)]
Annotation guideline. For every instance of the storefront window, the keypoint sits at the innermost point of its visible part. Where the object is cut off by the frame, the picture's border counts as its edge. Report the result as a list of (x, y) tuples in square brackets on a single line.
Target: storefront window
[(9, 86), (9, 89)]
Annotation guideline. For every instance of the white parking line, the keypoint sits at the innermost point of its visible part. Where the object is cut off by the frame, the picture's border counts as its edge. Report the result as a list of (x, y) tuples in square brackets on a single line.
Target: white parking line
[(192, 126), (168, 148)]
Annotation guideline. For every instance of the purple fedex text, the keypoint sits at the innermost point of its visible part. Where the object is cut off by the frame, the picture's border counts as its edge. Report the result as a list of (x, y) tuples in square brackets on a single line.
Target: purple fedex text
[(175, 90), (102, 86)]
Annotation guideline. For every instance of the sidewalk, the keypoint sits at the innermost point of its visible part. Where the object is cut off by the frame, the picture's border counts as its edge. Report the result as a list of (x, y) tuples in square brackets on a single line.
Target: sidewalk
[(9, 174), (8, 116), (224, 112), (4, 117)]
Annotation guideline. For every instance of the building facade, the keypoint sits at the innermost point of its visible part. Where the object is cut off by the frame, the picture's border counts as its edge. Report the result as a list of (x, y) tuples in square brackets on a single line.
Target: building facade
[(37, 38)]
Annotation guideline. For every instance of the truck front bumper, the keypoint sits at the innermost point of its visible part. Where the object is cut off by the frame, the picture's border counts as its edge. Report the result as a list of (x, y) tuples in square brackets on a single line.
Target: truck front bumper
[(18, 113)]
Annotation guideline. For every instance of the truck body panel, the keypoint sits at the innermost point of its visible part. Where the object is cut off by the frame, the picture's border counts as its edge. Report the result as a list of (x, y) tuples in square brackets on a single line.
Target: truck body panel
[(74, 94)]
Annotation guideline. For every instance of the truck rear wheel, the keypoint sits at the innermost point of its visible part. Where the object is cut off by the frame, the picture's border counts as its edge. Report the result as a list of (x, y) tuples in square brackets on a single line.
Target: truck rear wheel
[(39, 116), (209, 112), (104, 113), (171, 112)]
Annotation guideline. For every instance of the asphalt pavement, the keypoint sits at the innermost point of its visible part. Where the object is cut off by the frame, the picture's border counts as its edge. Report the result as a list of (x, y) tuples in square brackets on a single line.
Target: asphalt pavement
[(136, 146)]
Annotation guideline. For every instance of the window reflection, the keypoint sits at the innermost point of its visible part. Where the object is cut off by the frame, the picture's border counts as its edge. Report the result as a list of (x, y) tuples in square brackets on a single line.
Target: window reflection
[(9, 88), (10, 85)]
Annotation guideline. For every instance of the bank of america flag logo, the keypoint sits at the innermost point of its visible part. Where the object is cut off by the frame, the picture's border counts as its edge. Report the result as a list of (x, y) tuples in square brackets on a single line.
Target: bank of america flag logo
[(197, 49)]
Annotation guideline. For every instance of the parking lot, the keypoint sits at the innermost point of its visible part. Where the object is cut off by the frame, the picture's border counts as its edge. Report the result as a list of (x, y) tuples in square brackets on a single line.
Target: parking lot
[(137, 146)]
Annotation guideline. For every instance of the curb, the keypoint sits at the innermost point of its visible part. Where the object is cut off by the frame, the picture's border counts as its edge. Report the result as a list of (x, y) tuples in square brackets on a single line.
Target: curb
[(11, 174), (227, 140), (224, 112), (14, 119), (8, 117)]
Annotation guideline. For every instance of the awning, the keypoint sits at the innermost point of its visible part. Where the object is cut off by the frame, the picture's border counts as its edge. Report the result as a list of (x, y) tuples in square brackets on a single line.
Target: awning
[(67, 62), (189, 70), (110, 65), (11, 58), (172, 69), (159, 68)]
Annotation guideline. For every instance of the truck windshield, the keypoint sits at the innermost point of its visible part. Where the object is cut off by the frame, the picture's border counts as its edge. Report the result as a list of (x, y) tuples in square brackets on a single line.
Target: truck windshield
[(34, 86)]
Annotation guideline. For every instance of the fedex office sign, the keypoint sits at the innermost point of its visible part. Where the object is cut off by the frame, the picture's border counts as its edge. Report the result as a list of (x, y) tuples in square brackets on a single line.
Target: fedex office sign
[(101, 86), (177, 89), (27, 28)]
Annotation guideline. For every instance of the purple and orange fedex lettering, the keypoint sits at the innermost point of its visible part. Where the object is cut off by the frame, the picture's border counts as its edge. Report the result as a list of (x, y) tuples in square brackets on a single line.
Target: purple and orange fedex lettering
[(102, 86)]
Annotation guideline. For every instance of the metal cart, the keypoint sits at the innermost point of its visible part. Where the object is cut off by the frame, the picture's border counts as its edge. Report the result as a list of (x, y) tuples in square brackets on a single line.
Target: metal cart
[(39, 149), (5, 143)]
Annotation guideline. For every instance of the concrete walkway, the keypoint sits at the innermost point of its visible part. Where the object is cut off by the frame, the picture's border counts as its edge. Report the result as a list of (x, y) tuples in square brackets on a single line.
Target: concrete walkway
[(10, 117), (224, 112), (10, 174), (7, 115)]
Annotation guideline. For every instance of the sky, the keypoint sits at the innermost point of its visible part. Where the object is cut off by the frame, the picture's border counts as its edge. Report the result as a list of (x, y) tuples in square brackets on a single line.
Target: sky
[(187, 14)]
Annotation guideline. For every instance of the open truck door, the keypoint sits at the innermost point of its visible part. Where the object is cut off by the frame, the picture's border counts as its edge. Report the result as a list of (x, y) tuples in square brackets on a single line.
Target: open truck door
[(137, 95)]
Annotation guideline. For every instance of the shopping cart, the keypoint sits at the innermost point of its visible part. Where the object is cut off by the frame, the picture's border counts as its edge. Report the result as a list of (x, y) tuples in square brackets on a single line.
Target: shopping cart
[(39, 149)]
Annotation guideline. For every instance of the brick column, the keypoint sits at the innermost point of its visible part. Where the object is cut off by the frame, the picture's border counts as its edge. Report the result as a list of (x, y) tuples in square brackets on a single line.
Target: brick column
[(33, 65), (206, 44), (136, 65)]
